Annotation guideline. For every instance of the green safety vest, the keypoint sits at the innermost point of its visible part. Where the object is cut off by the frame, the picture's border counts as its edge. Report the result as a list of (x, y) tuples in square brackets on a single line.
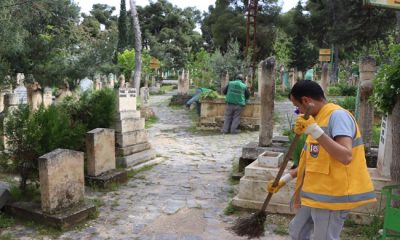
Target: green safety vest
[(235, 95)]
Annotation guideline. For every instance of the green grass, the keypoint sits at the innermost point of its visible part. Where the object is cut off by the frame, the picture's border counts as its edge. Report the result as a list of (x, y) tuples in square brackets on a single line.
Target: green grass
[(167, 88), (6, 221), (133, 172), (369, 231), (7, 236), (230, 209), (31, 194), (376, 134), (281, 230), (150, 121)]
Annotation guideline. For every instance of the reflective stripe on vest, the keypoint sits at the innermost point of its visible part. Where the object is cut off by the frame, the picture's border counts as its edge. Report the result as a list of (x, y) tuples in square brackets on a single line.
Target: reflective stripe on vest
[(338, 199)]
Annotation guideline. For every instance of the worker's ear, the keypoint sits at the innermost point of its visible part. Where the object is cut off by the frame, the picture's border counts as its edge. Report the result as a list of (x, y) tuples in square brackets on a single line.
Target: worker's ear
[(306, 100)]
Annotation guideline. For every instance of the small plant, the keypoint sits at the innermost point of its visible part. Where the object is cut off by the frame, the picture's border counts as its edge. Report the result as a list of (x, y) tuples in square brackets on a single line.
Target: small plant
[(30, 193), (230, 209), (6, 221), (211, 95), (150, 121), (133, 172), (281, 230)]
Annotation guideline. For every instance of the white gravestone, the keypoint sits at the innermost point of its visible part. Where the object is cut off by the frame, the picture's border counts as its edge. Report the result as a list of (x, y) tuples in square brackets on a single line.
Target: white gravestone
[(22, 94), (126, 100), (385, 147)]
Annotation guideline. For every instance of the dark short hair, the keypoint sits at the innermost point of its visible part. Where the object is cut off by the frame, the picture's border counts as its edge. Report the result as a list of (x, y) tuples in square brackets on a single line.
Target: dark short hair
[(307, 88), (240, 77)]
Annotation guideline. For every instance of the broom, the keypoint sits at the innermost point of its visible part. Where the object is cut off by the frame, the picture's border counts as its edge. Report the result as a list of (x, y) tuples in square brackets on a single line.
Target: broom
[(253, 226)]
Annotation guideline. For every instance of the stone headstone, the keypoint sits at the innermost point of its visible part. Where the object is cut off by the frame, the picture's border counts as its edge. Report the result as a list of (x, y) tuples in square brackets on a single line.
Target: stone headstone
[(20, 78), (47, 97), (385, 157), (35, 98), (97, 84), (366, 108), (183, 83), (126, 100), (325, 78), (100, 148), (224, 82), (144, 96), (86, 84), (110, 81), (267, 96), (21, 94), (121, 81), (61, 180)]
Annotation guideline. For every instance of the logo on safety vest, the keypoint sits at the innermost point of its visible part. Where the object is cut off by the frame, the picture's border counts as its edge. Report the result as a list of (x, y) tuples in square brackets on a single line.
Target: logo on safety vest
[(314, 150)]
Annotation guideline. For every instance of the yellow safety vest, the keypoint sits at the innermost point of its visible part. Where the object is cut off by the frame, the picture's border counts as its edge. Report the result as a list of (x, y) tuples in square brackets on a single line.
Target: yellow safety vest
[(326, 183)]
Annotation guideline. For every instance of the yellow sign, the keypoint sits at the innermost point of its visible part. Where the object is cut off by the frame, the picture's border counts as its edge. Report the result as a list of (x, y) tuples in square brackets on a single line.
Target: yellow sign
[(324, 58), (324, 55), (154, 63), (324, 51), (383, 3)]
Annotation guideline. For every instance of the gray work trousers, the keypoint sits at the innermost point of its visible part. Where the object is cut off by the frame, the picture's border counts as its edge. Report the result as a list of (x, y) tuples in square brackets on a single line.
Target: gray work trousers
[(231, 118), (327, 224)]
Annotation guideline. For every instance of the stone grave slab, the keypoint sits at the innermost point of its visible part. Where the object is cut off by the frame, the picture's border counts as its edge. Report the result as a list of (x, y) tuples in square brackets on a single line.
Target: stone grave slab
[(63, 220), (124, 151), (61, 179), (100, 148), (105, 179), (101, 162)]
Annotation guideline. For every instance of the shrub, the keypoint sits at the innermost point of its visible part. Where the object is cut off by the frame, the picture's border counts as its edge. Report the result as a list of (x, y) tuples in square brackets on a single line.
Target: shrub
[(348, 103), (32, 134), (333, 91), (347, 90), (211, 95)]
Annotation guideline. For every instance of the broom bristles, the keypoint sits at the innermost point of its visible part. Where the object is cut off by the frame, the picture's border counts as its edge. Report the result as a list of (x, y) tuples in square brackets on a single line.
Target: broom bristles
[(252, 227)]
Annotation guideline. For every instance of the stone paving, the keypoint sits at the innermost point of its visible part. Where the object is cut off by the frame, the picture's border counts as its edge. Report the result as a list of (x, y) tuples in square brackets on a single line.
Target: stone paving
[(183, 197)]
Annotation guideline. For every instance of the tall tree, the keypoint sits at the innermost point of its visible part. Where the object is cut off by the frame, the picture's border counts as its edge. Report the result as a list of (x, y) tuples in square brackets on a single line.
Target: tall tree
[(347, 26), (138, 46), (169, 32), (47, 40), (302, 54), (122, 28), (227, 21)]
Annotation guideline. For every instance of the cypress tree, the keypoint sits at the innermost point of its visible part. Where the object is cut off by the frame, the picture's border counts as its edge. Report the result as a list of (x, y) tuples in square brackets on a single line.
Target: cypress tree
[(122, 28)]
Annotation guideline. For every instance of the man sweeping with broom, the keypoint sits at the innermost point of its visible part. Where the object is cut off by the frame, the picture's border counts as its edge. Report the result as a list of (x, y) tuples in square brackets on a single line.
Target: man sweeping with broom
[(332, 176)]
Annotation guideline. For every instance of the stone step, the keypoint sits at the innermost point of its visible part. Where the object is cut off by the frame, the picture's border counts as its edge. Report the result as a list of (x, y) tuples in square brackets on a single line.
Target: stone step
[(131, 138), (124, 151), (127, 114), (129, 125), (136, 158)]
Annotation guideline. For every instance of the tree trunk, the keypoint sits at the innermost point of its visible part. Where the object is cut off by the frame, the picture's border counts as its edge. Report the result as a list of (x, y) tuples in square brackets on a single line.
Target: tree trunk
[(138, 46), (334, 70), (395, 167)]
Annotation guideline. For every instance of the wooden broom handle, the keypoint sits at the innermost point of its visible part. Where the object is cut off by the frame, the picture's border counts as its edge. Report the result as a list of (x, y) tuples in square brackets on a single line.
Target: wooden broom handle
[(286, 160)]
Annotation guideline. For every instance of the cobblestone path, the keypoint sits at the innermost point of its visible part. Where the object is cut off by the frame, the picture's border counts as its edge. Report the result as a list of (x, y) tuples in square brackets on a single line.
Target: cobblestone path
[(183, 197)]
